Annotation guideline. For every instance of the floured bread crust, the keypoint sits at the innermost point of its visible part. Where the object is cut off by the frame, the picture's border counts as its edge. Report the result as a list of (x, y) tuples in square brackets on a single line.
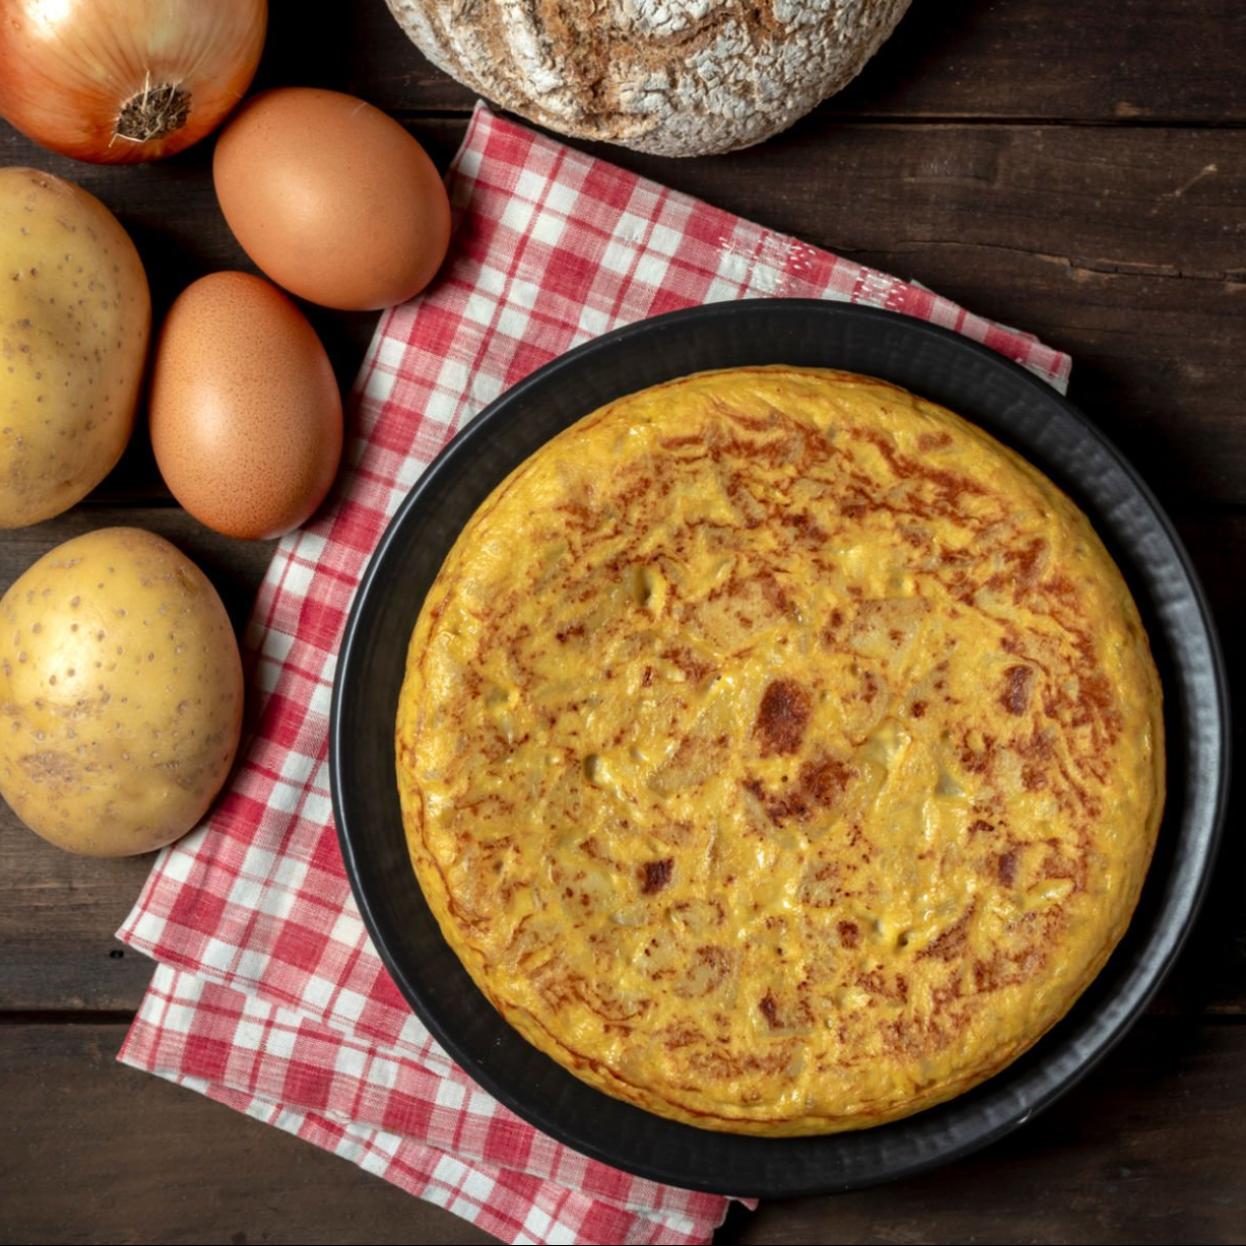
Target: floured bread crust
[(672, 77)]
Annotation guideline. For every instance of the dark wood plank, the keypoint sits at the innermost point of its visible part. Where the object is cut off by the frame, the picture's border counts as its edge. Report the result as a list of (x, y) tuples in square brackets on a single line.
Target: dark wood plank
[(1147, 1149), (1134, 59), (57, 923), (60, 912), (92, 1151), (1118, 240), (1153, 364), (1125, 253)]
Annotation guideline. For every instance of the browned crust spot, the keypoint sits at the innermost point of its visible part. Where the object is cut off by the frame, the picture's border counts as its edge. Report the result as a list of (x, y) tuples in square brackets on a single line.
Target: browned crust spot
[(769, 1010), (782, 717), (1016, 695), (819, 785), (654, 875)]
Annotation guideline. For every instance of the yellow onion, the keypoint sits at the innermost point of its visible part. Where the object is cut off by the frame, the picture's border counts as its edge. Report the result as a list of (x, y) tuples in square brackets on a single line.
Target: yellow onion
[(125, 80)]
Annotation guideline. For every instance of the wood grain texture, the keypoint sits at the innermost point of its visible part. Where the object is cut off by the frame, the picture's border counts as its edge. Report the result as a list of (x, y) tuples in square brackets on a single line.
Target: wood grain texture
[(1150, 60), (91, 1151), (1078, 171), (57, 922), (1147, 1149), (1128, 254)]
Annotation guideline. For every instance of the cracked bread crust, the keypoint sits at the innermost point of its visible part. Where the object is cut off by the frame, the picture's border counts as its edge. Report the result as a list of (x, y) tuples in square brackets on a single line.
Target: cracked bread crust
[(670, 77)]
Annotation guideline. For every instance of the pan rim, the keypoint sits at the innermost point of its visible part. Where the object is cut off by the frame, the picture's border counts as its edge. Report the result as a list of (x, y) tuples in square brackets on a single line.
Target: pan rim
[(1163, 943)]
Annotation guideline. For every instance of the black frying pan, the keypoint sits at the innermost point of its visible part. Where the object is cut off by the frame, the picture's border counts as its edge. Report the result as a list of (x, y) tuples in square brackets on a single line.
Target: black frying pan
[(1021, 411)]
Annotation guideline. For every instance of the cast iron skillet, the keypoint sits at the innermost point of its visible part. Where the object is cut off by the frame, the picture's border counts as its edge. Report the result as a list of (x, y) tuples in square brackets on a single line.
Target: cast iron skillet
[(1018, 408)]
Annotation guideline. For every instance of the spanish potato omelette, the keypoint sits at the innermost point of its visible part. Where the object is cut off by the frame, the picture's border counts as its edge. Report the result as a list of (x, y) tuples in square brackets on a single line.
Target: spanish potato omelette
[(779, 752)]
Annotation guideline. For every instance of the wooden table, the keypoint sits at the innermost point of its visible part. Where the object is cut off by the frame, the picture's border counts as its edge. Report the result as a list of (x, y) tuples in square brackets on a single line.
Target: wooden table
[(1079, 170)]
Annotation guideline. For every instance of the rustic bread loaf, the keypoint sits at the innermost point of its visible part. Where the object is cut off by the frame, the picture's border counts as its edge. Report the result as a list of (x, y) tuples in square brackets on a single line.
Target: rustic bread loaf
[(672, 77)]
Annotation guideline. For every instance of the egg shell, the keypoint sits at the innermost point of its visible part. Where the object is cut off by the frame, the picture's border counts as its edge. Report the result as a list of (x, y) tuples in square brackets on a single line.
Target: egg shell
[(246, 418), (331, 198)]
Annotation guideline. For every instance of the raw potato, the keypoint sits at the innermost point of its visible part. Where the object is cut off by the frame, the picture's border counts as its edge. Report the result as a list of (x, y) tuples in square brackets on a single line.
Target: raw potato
[(120, 694), (75, 316)]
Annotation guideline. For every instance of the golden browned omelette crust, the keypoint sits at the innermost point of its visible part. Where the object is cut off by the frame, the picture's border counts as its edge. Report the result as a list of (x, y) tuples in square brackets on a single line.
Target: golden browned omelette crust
[(779, 752)]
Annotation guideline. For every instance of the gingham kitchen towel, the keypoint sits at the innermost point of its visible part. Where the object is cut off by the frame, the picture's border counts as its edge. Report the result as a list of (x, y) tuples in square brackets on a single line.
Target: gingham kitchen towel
[(268, 995)]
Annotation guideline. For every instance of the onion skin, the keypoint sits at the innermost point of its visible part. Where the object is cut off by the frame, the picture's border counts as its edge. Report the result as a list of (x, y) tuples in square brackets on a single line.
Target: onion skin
[(123, 81)]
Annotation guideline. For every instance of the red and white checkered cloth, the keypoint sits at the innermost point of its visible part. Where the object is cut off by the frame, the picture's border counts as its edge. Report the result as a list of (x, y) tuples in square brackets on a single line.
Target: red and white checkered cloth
[(268, 995)]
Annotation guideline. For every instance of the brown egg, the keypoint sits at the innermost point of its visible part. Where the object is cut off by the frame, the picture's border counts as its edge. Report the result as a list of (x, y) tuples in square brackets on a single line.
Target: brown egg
[(246, 418), (332, 198)]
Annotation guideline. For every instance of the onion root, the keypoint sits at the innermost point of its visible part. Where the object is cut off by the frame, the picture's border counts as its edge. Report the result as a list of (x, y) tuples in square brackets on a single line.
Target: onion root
[(153, 112)]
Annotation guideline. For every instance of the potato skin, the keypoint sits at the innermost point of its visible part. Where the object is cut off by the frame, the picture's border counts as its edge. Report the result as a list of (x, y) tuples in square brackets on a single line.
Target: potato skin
[(120, 694), (75, 318)]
